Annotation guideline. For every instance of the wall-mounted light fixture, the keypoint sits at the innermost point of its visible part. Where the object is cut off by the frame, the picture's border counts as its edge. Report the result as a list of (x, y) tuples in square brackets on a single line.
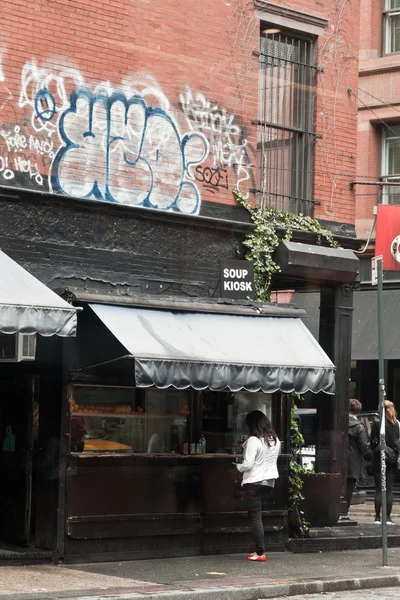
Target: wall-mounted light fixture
[(271, 30)]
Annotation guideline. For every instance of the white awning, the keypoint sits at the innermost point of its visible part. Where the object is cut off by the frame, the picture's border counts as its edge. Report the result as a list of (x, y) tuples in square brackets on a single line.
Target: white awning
[(219, 351), (28, 306)]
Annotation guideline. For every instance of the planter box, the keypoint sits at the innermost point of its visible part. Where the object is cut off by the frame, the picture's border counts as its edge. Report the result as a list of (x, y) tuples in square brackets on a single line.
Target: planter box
[(321, 504)]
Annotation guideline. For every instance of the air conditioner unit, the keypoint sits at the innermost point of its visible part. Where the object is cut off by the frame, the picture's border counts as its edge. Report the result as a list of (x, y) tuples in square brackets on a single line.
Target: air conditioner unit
[(17, 347)]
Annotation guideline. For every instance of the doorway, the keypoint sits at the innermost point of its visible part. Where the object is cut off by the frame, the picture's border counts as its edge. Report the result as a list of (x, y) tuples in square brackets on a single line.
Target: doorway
[(19, 419)]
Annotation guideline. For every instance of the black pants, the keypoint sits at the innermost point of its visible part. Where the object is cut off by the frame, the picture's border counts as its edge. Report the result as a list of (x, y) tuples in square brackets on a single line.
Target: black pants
[(390, 477), (351, 484), (255, 497)]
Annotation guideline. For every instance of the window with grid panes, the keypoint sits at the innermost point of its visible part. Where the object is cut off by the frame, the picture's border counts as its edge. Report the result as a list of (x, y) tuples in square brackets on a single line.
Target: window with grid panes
[(391, 163), (392, 26), (285, 144)]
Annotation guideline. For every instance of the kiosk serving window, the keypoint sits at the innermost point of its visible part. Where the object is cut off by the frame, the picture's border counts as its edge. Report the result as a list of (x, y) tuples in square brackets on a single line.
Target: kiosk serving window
[(153, 421), (224, 415), (125, 419)]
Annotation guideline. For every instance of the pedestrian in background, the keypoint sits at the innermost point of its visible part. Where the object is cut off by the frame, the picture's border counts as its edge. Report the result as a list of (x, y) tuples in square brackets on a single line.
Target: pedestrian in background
[(259, 468), (392, 443), (358, 445)]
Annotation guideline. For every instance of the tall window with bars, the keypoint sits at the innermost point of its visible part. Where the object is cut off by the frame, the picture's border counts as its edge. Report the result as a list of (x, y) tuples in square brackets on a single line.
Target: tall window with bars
[(391, 22), (285, 142), (391, 164)]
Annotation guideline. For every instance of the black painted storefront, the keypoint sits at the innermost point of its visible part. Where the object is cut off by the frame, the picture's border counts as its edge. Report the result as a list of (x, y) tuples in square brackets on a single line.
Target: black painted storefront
[(95, 508)]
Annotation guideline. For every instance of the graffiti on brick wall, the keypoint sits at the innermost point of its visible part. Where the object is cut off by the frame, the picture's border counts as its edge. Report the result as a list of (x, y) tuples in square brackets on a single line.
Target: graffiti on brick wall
[(29, 126), (20, 149), (228, 146), (123, 144), (212, 178), (44, 95), (119, 145), (118, 148)]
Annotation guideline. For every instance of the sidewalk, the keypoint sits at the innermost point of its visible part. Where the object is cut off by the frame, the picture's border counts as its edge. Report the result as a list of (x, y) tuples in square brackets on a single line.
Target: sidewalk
[(227, 577), (364, 513)]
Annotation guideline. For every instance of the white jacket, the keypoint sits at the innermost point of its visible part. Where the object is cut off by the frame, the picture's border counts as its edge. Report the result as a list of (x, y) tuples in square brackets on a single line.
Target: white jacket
[(259, 460)]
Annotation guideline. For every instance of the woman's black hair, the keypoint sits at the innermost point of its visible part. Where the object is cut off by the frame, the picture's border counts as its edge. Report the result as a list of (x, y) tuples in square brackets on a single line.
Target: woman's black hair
[(260, 426)]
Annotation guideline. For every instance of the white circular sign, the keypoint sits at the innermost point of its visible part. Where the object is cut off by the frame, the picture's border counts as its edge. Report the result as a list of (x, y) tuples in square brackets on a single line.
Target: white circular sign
[(395, 248)]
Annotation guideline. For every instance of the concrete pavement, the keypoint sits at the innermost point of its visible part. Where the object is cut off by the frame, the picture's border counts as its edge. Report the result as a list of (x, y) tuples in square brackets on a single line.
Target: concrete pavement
[(226, 577)]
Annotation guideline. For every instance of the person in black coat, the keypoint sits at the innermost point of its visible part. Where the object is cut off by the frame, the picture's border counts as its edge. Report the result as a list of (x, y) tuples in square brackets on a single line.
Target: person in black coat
[(392, 441), (358, 445)]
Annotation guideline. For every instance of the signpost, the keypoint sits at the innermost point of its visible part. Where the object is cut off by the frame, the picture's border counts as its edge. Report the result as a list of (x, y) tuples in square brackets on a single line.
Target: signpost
[(237, 279), (377, 278)]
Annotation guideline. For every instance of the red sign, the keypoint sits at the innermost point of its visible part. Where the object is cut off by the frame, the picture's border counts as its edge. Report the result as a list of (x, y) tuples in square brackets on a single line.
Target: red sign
[(388, 236)]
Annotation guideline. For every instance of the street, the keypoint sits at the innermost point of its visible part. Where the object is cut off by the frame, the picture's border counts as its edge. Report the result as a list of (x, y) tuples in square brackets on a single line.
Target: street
[(382, 593)]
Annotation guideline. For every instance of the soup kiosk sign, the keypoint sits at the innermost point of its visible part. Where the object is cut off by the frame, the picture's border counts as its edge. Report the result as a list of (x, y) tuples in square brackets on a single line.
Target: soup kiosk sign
[(237, 279)]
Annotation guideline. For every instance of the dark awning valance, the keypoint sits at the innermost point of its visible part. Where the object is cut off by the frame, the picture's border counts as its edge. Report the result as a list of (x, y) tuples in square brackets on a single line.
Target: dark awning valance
[(28, 306), (317, 262), (219, 351)]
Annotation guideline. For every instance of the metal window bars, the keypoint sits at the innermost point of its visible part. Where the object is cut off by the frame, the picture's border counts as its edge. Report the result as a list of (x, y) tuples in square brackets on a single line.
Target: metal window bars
[(390, 194), (285, 139)]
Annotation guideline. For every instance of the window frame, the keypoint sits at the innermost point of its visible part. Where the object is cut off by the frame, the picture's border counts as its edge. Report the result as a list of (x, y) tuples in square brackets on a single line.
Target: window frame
[(287, 138), (385, 194), (387, 13)]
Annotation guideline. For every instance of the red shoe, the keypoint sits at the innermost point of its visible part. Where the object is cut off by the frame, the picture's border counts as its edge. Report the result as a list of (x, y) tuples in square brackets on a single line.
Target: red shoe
[(257, 558)]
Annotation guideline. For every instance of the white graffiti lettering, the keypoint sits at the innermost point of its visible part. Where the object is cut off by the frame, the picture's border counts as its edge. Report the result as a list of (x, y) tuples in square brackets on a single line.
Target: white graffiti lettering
[(46, 94), (5, 171), (228, 147)]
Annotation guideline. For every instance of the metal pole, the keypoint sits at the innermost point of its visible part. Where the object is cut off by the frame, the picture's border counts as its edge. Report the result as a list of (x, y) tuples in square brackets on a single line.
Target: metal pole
[(382, 437)]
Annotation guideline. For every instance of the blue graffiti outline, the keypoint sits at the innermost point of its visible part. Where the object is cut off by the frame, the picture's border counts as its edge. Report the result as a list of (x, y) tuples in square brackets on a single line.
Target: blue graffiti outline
[(46, 95), (149, 112)]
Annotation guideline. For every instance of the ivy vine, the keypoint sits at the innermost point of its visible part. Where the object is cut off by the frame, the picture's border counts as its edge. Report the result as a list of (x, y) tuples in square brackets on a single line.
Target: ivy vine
[(262, 242), (261, 245), (296, 470)]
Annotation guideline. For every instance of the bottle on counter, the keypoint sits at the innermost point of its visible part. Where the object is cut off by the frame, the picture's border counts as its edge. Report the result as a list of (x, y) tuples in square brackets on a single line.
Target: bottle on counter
[(185, 448), (203, 444)]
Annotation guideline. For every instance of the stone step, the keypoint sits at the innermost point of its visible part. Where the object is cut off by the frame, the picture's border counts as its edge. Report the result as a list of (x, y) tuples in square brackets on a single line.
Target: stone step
[(15, 555), (333, 539), (316, 545), (369, 509)]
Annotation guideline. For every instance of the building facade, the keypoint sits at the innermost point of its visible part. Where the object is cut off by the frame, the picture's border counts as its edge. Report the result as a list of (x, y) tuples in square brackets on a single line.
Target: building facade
[(377, 183), (121, 143)]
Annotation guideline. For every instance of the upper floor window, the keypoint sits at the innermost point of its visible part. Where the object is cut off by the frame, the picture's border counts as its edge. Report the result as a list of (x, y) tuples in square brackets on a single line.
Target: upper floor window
[(391, 164), (392, 26), (285, 144)]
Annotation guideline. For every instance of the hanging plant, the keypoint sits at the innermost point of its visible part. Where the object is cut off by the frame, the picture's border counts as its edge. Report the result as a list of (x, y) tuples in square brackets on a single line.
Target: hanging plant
[(264, 240), (300, 526)]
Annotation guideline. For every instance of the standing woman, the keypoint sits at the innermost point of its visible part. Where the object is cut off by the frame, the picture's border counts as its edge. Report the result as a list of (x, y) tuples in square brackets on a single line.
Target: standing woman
[(392, 439), (259, 468)]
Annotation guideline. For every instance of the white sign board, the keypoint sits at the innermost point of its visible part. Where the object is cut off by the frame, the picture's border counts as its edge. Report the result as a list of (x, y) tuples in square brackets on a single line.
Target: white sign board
[(374, 269)]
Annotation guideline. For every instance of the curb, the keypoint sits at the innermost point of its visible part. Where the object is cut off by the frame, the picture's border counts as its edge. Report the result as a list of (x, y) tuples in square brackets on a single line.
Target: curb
[(256, 592), (335, 585)]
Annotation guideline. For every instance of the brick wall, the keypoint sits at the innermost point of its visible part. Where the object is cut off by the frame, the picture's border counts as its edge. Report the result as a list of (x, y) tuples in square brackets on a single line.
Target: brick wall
[(379, 103), (149, 102)]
